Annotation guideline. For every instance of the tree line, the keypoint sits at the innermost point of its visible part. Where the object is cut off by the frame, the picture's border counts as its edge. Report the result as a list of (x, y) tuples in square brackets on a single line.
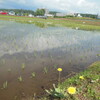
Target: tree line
[(23, 12)]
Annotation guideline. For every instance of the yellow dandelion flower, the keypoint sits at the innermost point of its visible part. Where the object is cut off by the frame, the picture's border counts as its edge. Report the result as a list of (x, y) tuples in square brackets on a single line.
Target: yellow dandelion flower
[(71, 90), (81, 77), (59, 69)]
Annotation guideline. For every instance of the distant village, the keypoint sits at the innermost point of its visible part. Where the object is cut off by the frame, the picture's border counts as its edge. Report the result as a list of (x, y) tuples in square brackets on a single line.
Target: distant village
[(46, 13)]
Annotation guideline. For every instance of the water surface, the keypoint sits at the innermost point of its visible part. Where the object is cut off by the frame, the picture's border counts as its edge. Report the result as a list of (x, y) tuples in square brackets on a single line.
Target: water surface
[(41, 50)]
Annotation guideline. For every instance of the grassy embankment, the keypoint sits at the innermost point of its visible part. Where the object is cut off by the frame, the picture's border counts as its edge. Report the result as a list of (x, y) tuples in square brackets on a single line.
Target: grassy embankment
[(87, 86), (75, 23)]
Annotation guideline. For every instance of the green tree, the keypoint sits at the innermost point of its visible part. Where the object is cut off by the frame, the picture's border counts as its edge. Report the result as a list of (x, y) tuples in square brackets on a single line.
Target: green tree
[(40, 12)]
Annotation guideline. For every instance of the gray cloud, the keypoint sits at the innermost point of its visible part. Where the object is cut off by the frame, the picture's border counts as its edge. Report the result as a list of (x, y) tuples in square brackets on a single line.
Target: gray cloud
[(61, 5)]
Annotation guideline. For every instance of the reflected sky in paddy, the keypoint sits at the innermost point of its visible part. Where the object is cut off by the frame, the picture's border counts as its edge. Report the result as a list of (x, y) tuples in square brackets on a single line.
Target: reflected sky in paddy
[(17, 38)]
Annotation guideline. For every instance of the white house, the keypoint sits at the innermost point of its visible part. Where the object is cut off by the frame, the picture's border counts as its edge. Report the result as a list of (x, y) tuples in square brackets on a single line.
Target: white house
[(11, 13), (49, 15), (79, 15), (65, 14), (30, 15)]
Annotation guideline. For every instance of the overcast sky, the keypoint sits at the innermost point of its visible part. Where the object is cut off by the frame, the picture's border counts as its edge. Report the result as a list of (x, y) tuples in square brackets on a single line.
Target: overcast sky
[(80, 6)]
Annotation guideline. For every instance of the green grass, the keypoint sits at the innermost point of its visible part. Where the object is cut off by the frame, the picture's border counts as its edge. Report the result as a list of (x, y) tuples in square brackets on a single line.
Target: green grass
[(89, 88), (67, 22)]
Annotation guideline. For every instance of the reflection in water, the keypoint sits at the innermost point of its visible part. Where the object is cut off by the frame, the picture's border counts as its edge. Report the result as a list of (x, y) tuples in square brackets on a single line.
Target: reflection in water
[(40, 48), (16, 38), (40, 24)]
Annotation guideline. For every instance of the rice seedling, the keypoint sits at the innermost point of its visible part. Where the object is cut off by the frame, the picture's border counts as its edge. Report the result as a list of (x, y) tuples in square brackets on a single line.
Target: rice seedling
[(5, 84), (33, 74), (23, 66), (55, 66), (45, 70), (20, 79)]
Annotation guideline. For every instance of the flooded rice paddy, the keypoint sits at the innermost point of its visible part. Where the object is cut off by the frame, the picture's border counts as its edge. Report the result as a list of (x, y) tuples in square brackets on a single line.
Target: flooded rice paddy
[(30, 56)]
